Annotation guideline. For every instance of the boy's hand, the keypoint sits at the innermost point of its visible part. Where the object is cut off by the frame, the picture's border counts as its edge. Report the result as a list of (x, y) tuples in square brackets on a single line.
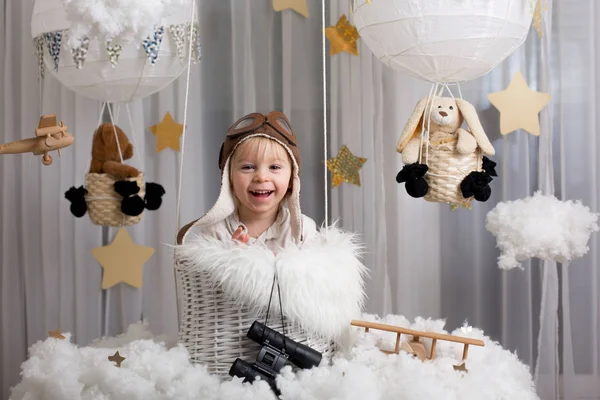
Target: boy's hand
[(238, 235)]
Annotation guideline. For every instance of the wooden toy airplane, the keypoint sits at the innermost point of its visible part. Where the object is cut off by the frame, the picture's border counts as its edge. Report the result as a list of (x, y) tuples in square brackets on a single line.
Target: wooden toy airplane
[(49, 136), (415, 346)]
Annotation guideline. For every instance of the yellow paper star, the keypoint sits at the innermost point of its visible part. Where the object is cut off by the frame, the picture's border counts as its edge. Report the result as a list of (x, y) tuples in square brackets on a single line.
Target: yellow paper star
[(167, 133), (342, 37), (117, 358), (519, 106), (461, 367), (540, 7), (122, 260), (345, 167), (299, 6), (56, 334)]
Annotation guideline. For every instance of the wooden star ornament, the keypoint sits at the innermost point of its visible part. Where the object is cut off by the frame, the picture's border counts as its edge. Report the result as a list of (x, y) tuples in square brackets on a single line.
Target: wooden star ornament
[(519, 106), (167, 133), (345, 167), (299, 6), (122, 261), (342, 37), (461, 367), (117, 358), (56, 334)]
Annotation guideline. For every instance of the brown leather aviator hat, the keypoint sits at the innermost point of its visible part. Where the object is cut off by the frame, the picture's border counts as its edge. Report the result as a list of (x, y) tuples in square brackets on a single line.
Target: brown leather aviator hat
[(275, 126)]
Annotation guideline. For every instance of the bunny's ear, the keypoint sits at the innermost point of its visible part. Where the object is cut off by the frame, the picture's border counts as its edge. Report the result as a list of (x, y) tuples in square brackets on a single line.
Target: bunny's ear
[(413, 125), (470, 115)]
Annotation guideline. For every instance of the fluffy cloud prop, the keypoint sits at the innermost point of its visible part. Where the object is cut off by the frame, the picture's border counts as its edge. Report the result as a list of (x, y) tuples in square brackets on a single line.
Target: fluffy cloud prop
[(541, 226), (57, 369), (118, 20)]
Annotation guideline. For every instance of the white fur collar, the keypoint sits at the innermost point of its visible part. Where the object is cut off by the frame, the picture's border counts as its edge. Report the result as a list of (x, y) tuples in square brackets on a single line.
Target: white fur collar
[(321, 280)]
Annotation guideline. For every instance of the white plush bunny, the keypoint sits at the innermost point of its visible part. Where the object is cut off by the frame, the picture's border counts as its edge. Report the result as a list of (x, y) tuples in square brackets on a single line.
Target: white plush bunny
[(443, 118)]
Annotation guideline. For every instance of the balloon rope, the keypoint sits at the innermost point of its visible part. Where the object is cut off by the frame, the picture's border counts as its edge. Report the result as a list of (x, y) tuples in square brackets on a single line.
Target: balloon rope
[(112, 121), (324, 22), (429, 98), (137, 152), (185, 108)]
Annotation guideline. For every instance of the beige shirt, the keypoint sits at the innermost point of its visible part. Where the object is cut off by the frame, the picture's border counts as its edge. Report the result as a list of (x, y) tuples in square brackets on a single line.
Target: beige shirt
[(276, 237)]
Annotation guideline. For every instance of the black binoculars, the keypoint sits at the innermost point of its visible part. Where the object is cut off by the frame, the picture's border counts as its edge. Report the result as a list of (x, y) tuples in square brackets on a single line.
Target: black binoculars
[(277, 351)]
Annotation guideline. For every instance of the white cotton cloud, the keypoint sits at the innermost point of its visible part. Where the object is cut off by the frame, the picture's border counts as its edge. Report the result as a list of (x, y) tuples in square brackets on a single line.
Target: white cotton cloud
[(118, 20), (541, 226), (58, 369)]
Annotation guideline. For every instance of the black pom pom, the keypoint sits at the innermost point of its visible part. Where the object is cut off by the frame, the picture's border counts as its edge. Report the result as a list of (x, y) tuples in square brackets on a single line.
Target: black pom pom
[(417, 187), (153, 198), (77, 198), (126, 188), (413, 175), (132, 205), (411, 171), (488, 166), (476, 185)]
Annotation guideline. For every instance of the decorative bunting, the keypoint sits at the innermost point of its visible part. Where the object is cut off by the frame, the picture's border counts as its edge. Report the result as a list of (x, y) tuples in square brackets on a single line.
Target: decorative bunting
[(519, 106), (196, 47), (38, 44), (540, 7), (299, 6), (117, 358), (113, 53), (167, 133), (342, 37), (122, 260), (345, 167), (178, 31), (53, 40), (80, 52), (152, 43)]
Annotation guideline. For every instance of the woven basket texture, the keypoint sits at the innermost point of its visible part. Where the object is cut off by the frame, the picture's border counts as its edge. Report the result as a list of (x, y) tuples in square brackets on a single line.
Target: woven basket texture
[(447, 169), (213, 327), (104, 204)]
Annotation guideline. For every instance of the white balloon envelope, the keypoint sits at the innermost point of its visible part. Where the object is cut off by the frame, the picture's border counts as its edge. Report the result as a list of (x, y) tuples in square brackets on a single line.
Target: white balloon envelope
[(443, 41), (132, 73)]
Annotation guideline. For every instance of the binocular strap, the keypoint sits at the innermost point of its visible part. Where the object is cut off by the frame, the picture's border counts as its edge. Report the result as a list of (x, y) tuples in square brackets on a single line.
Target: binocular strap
[(275, 280)]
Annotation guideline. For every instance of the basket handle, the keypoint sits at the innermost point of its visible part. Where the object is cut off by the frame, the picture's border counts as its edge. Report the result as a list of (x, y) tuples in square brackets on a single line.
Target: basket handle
[(184, 230)]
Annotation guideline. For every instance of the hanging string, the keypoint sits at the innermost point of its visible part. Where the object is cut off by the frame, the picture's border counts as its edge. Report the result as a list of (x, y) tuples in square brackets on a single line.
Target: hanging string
[(428, 104), (325, 140), (275, 280), (137, 152), (112, 121), (185, 108)]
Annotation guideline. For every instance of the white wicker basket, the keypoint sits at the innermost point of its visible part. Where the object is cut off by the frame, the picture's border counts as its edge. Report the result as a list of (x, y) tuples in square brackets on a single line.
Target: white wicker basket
[(213, 327), (447, 169)]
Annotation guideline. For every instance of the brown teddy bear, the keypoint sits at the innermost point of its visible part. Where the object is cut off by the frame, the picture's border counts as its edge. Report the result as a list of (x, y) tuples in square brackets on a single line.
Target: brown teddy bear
[(105, 153)]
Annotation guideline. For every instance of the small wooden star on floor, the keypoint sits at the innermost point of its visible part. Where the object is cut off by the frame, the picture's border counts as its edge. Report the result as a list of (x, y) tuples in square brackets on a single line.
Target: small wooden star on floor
[(167, 133), (342, 37), (461, 367), (56, 334), (122, 260), (345, 167), (519, 106), (299, 6), (117, 358)]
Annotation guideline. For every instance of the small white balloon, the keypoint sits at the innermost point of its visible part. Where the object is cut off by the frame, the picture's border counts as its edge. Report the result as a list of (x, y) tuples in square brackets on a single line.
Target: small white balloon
[(443, 41), (116, 71)]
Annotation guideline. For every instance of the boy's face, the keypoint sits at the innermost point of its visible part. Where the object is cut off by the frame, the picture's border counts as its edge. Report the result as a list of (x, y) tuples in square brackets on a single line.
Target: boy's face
[(261, 179)]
